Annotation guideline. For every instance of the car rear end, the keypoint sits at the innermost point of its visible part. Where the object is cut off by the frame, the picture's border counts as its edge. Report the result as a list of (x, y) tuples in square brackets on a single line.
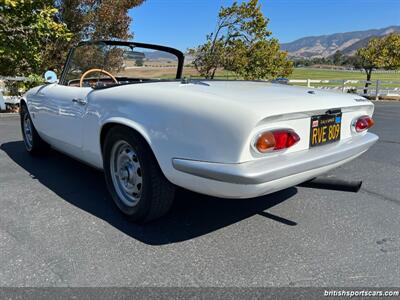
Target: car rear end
[(292, 144), (313, 129)]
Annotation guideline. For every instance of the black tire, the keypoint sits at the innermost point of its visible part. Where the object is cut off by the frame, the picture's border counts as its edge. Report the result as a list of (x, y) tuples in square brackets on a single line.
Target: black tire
[(156, 193), (35, 145)]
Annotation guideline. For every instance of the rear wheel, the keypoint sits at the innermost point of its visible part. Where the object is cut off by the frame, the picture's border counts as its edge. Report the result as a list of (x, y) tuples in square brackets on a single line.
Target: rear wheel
[(134, 179), (34, 144)]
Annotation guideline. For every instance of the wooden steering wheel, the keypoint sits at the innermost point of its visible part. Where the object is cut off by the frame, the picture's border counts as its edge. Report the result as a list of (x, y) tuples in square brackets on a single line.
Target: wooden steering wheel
[(96, 70)]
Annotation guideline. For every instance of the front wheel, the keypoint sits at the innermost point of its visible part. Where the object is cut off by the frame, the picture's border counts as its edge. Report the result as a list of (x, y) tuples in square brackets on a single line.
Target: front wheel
[(134, 179), (34, 144)]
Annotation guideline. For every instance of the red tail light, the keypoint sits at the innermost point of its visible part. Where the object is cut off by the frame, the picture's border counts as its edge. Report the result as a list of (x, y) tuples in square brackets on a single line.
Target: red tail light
[(276, 140), (363, 123)]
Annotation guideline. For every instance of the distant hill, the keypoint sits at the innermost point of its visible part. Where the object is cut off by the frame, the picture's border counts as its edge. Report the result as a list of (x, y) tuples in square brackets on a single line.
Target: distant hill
[(327, 45), (160, 55)]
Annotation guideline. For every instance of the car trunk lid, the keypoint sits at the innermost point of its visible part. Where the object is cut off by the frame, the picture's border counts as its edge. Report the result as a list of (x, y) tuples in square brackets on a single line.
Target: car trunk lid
[(278, 99)]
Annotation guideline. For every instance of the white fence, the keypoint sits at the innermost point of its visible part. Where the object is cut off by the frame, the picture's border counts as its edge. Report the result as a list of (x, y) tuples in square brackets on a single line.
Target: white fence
[(352, 70), (376, 88), (14, 78)]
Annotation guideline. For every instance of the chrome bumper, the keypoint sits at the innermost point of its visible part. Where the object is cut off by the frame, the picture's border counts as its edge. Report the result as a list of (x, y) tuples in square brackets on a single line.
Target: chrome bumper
[(272, 168)]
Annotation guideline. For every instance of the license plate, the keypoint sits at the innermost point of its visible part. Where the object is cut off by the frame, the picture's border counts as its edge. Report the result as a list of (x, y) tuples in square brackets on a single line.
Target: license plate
[(325, 129)]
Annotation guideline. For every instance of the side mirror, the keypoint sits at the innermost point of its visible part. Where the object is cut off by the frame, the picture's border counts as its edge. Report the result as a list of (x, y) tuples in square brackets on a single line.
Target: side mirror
[(50, 77)]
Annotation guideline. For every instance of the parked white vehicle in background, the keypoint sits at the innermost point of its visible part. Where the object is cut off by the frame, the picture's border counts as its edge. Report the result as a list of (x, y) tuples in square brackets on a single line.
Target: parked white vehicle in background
[(2, 103), (232, 139)]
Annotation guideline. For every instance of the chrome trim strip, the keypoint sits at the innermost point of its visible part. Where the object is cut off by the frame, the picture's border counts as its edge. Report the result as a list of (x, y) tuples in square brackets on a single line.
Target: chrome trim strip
[(272, 168)]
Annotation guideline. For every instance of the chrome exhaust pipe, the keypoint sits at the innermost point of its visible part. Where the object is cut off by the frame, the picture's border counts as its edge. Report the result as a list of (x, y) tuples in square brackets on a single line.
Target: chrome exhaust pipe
[(333, 184)]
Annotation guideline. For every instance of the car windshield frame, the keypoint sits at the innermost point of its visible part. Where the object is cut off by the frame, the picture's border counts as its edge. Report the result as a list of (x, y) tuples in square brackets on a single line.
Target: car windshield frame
[(179, 55)]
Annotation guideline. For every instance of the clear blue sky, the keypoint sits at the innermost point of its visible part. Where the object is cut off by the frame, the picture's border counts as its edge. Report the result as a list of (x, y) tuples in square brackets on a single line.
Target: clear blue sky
[(185, 23)]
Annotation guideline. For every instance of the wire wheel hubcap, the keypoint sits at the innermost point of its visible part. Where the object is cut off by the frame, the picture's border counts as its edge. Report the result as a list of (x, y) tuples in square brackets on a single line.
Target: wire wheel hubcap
[(126, 173), (27, 131)]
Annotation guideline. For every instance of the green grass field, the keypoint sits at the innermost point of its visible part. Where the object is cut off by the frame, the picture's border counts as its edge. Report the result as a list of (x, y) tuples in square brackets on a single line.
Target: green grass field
[(325, 74), (313, 73), (340, 78)]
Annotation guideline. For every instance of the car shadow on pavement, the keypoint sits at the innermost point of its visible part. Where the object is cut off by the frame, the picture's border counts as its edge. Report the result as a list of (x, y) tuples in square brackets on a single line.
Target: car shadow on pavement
[(192, 214)]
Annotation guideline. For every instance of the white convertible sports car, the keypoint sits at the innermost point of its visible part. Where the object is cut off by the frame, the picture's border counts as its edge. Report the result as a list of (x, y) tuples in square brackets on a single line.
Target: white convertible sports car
[(117, 108)]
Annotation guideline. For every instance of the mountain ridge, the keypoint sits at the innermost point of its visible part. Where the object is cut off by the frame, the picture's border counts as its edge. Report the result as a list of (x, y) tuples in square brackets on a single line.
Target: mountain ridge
[(327, 45)]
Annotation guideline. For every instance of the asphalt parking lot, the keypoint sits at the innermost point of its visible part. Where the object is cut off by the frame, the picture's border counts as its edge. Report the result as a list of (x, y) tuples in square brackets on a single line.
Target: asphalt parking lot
[(59, 227)]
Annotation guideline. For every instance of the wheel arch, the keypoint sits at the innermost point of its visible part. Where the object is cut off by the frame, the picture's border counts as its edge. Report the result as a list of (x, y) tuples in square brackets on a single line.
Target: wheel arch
[(23, 102), (110, 123), (139, 129)]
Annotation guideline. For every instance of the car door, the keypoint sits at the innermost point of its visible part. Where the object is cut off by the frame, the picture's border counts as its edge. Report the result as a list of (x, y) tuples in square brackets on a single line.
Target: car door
[(63, 105), (62, 114)]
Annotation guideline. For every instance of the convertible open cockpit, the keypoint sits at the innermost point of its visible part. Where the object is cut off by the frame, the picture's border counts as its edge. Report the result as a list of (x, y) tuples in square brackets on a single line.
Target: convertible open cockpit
[(104, 64)]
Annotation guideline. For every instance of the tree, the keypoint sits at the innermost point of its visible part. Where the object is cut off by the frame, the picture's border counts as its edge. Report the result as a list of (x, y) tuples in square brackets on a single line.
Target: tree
[(35, 35), (259, 60), (26, 27), (337, 58), (97, 19), (240, 44), (91, 20), (351, 61), (139, 62), (381, 53), (208, 57)]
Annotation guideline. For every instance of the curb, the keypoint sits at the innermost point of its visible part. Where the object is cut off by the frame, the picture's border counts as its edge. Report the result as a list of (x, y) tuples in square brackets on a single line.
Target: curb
[(9, 115)]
